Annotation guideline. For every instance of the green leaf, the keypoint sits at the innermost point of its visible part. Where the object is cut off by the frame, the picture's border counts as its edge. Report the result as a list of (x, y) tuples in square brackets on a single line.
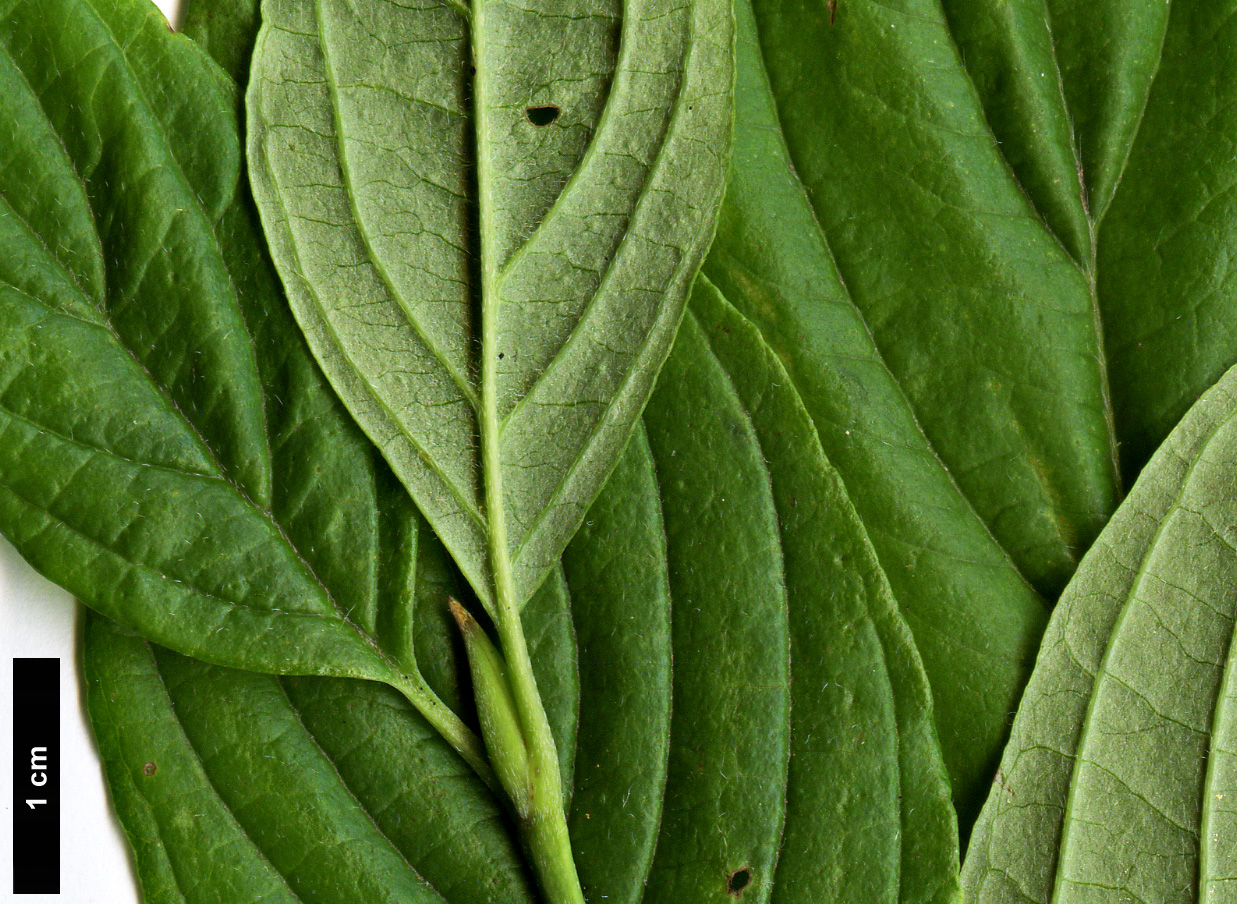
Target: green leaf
[(976, 621), (242, 787), (168, 450), (867, 809), (473, 282), (975, 254), (225, 29), (843, 792), (1118, 781), (487, 220), (1144, 88), (989, 244)]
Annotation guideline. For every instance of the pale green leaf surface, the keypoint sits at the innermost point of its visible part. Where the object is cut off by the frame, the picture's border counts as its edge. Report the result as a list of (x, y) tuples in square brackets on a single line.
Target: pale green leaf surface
[(566, 249), (552, 644), (1114, 782), (951, 528), (376, 760)]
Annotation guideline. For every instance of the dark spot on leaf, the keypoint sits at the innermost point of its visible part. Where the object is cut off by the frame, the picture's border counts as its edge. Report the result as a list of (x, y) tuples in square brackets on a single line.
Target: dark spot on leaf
[(541, 116), (833, 9), (501, 355), (738, 880), (149, 769)]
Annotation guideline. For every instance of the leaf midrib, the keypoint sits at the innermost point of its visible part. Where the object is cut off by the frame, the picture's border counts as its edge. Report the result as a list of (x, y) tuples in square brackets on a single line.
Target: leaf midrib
[(210, 225), (1220, 716), (878, 358), (1088, 269), (101, 305), (605, 280), (219, 478), (468, 507)]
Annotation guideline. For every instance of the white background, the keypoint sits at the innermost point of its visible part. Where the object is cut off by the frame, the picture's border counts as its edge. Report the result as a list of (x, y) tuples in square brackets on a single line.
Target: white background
[(39, 619)]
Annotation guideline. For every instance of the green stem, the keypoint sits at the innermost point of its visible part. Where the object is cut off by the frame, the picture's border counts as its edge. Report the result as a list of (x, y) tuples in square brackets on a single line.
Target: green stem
[(550, 849), (543, 824), (448, 724), (533, 788)]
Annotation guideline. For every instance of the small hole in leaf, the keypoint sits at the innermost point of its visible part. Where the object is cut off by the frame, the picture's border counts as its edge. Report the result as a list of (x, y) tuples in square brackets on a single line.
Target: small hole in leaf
[(541, 116), (738, 880), (149, 769)]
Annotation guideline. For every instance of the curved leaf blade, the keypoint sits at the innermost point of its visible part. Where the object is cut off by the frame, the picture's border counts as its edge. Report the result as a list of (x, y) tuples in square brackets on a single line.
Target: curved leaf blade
[(856, 705), (607, 209), (257, 541), (314, 789), (878, 797), (975, 619), (617, 571), (69, 374), (151, 203), (731, 703), (1166, 282), (1106, 772), (983, 318), (1143, 88)]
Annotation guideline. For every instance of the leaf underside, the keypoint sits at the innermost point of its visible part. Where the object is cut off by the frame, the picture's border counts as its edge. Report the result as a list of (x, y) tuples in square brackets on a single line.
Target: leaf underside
[(1119, 780), (361, 761), (491, 295)]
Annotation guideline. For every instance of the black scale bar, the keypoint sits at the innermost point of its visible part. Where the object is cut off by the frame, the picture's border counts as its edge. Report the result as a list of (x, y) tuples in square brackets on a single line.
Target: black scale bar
[(36, 776)]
